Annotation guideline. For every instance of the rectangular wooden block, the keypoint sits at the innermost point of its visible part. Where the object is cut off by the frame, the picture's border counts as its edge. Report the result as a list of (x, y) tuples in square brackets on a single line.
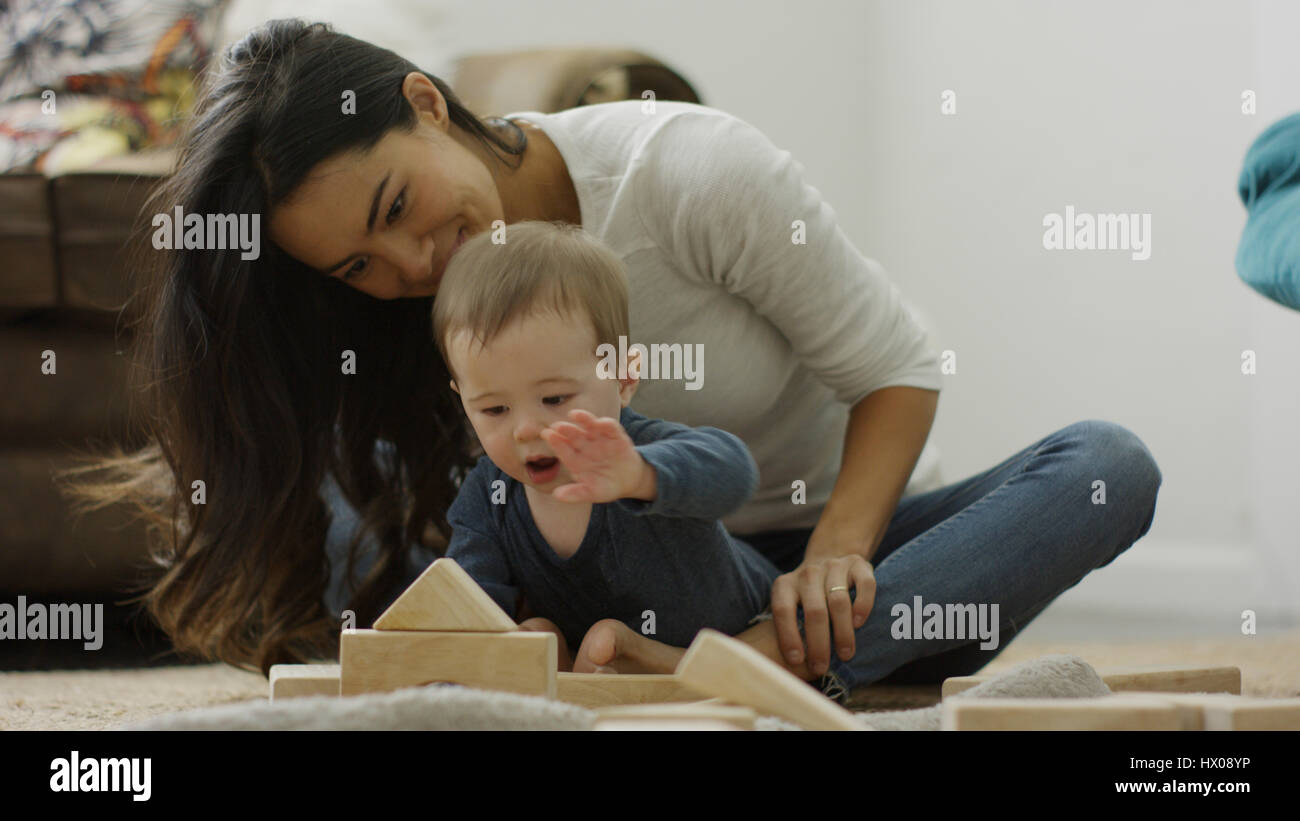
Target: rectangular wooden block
[(1116, 712), (740, 718), (718, 665), (376, 661), (445, 597), (1190, 706), (1253, 714), (297, 680), (594, 690), (1168, 679), (677, 725), (1173, 679), (1218, 711)]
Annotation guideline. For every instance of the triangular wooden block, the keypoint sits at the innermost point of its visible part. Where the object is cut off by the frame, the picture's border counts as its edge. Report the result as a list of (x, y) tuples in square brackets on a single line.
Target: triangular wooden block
[(445, 598), (718, 665)]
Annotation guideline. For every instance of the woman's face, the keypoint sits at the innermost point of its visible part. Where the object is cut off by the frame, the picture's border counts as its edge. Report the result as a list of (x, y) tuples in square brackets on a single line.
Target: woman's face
[(387, 220)]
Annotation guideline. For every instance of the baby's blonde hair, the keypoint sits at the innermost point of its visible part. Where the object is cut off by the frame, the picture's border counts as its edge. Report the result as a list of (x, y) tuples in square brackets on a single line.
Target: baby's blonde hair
[(541, 266)]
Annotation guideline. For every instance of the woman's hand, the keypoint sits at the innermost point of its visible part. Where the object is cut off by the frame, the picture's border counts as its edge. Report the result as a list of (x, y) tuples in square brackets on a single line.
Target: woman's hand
[(823, 585)]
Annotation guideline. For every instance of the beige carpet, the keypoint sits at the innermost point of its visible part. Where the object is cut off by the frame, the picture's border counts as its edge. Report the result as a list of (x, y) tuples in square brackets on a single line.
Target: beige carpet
[(101, 699)]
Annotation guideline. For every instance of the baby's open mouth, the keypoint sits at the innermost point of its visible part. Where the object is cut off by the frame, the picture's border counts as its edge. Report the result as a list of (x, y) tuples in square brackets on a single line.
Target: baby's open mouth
[(542, 469)]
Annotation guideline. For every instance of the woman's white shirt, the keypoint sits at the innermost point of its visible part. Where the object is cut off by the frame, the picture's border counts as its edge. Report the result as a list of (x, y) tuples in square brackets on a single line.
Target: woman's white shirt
[(784, 336)]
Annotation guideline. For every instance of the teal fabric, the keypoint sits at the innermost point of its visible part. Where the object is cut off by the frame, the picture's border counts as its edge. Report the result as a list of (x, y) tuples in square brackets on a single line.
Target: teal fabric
[(1268, 256)]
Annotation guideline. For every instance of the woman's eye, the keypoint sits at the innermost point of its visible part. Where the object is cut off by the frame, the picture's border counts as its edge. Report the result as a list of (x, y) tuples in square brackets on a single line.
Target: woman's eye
[(354, 272), (559, 400), (395, 209)]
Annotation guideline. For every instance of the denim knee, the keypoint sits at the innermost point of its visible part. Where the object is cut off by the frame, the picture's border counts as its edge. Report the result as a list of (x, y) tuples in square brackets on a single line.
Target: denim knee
[(1112, 450), (1115, 455)]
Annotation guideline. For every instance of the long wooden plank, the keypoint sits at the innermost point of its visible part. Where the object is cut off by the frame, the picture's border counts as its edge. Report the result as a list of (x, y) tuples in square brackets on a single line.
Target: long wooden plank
[(1219, 711), (298, 680), (1114, 712), (680, 725), (445, 597), (741, 718), (1166, 679), (594, 690), (718, 665), (1253, 714), (376, 661)]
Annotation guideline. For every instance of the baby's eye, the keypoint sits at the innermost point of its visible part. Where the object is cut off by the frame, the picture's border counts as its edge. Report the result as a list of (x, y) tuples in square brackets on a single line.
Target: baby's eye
[(559, 400), (495, 410)]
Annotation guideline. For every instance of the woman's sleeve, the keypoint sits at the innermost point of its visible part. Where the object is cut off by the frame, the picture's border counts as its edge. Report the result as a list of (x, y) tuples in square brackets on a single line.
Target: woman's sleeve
[(722, 201)]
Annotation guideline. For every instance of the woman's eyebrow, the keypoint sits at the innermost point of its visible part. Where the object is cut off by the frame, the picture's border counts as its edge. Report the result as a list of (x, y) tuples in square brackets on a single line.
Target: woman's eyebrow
[(370, 221), (374, 204)]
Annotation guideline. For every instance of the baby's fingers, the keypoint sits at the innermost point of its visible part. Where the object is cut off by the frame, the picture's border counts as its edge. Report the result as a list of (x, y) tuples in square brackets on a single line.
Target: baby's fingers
[(602, 427), (570, 430), (564, 447), (585, 419)]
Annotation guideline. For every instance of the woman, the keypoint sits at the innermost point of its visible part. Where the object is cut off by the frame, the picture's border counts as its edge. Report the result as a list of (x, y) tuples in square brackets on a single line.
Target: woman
[(313, 366)]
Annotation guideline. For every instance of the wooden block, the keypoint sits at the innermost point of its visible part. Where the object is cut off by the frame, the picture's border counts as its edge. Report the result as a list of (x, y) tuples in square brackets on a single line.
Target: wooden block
[(1173, 679), (678, 725), (1116, 712), (445, 597), (1218, 711), (377, 661), (1252, 714), (296, 680), (1190, 706), (1169, 679), (718, 665), (594, 690), (741, 718)]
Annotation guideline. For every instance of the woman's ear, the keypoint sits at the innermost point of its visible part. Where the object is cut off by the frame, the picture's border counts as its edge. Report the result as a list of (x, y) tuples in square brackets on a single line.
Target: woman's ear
[(420, 91)]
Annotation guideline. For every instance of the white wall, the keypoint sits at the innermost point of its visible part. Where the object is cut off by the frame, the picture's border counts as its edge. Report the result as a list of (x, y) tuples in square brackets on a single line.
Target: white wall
[(1107, 105)]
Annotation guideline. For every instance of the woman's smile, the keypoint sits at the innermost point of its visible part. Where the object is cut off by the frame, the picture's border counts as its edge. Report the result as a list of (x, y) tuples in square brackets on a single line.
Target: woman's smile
[(460, 240)]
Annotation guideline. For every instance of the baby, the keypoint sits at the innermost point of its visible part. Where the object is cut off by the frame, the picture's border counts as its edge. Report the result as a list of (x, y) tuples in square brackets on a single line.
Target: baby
[(584, 507)]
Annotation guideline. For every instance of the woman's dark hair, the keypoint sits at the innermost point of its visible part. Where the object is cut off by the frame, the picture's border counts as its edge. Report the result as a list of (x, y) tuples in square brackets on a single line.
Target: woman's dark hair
[(239, 380)]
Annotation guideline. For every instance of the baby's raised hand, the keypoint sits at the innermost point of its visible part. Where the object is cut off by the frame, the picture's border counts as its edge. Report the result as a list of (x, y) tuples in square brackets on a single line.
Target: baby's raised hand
[(600, 456)]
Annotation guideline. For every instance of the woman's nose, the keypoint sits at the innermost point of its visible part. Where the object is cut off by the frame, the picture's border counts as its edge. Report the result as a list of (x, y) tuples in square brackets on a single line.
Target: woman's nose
[(415, 264)]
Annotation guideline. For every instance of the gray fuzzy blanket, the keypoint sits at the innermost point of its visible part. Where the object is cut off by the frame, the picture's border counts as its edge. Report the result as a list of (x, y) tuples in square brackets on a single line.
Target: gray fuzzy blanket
[(450, 707)]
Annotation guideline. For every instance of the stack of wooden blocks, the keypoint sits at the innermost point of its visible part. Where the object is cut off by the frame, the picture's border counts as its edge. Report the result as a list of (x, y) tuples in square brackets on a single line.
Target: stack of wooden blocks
[(445, 628)]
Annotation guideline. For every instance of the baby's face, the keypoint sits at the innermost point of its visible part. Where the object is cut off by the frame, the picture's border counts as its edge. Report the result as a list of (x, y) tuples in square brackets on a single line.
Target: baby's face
[(530, 376)]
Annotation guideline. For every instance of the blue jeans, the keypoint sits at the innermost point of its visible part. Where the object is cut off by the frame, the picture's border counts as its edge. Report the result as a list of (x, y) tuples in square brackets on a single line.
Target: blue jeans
[(1017, 535)]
